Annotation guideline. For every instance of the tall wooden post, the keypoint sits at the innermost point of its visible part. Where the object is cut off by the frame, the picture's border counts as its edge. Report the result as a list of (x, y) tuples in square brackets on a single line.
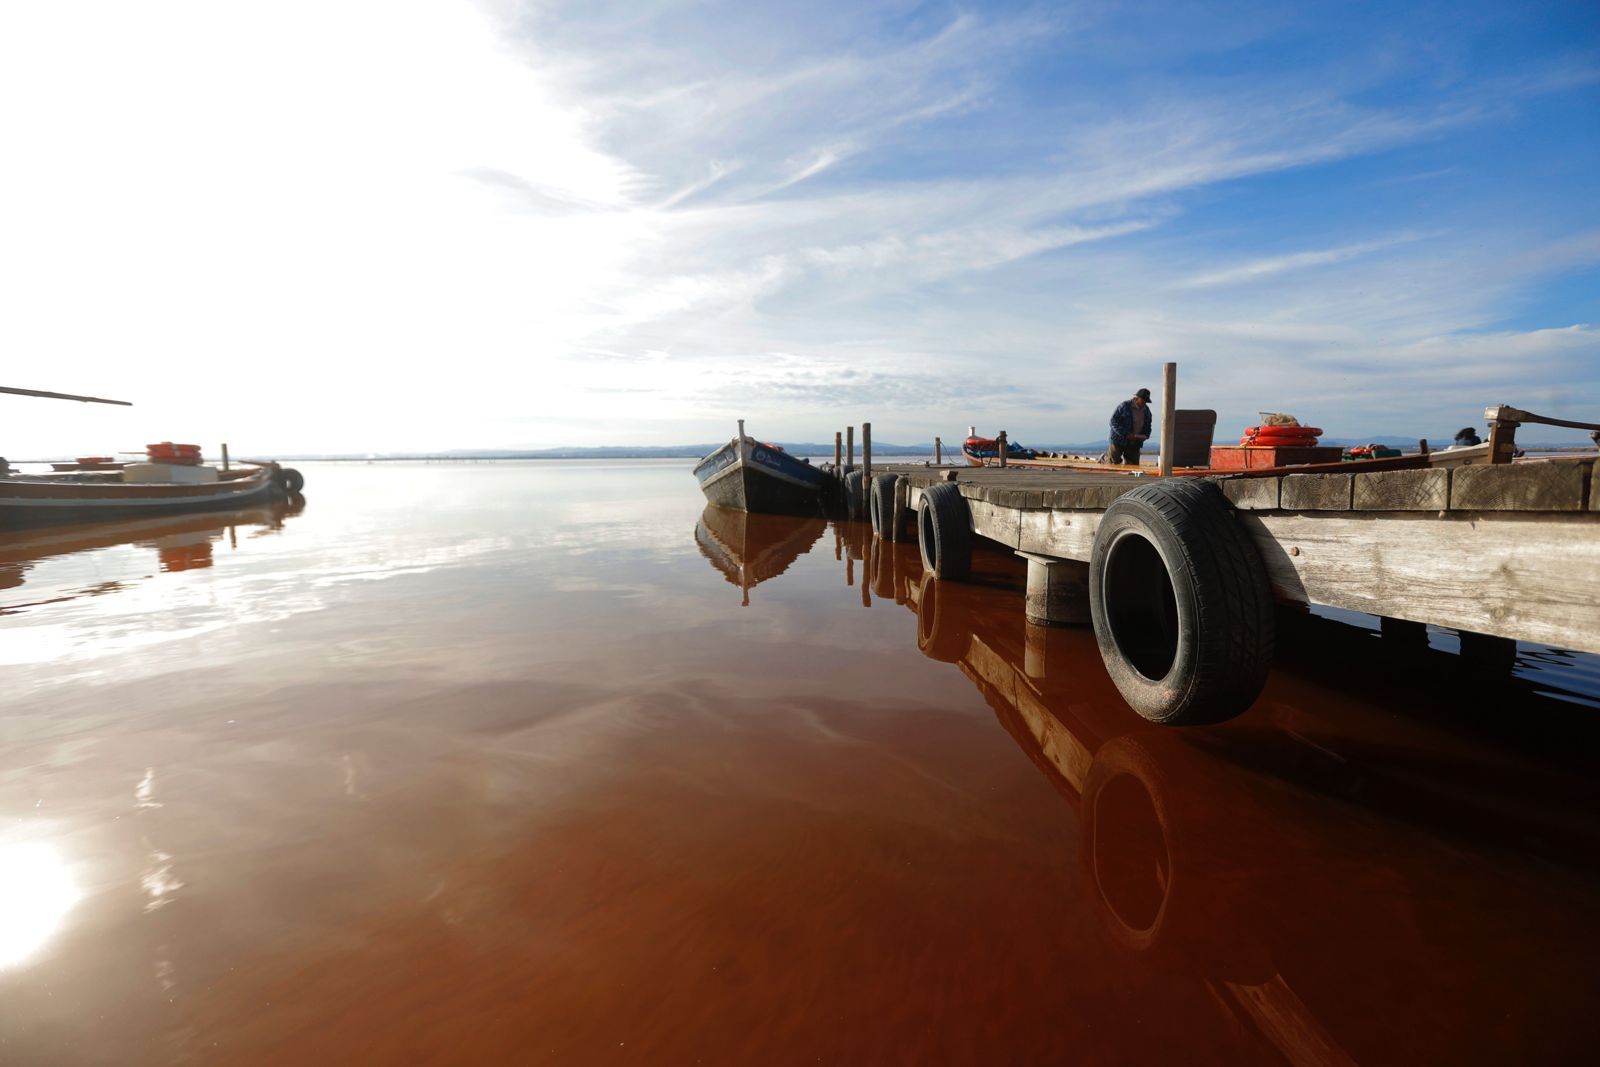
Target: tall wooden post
[(224, 455), (838, 450), (866, 452), (849, 447), (1169, 404), (938, 452), (1004, 447)]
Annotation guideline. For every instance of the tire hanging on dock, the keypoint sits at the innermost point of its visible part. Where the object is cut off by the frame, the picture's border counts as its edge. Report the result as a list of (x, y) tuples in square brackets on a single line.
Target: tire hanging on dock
[(888, 520), (855, 496), (1182, 607), (944, 532)]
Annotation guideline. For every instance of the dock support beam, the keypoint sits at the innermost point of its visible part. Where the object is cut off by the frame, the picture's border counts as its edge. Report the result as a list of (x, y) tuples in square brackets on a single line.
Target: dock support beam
[(866, 452), (1169, 405), (1058, 591), (849, 448), (838, 450)]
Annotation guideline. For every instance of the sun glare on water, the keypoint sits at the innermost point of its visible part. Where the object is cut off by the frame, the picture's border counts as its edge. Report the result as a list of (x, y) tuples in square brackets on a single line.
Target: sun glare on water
[(36, 892)]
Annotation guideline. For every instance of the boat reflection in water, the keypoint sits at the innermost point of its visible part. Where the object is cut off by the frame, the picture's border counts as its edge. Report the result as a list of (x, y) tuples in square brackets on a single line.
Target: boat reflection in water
[(1343, 881), (181, 542), (750, 548)]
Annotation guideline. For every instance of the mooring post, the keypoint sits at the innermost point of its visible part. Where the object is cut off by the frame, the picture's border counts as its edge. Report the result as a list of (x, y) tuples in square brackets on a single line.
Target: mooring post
[(1422, 446), (1169, 404), (938, 452), (849, 447), (1000, 443), (838, 450), (224, 455), (741, 431), (866, 453)]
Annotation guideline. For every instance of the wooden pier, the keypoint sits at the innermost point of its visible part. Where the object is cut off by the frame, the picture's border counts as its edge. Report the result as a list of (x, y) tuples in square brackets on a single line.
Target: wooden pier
[(1179, 575)]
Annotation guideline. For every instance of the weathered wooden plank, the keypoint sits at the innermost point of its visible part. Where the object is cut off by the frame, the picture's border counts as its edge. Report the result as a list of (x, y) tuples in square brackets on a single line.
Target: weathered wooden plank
[(1550, 486), (1532, 577), (1061, 534), (1419, 490), (1089, 496), (995, 522), (1251, 494), (1315, 492)]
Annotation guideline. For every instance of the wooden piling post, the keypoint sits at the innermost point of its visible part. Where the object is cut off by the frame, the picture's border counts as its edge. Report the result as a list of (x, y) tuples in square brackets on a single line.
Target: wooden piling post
[(849, 447), (1001, 443), (1422, 447), (938, 452), (1169, 405), (838, 450), (866, 453), (224, 455)]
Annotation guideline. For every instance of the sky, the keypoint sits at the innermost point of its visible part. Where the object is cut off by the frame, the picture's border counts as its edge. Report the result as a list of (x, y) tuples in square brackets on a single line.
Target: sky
[(351, 225)]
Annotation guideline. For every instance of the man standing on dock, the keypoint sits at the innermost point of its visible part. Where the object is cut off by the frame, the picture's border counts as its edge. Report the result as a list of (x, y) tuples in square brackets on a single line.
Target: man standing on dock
[(1131, 425)]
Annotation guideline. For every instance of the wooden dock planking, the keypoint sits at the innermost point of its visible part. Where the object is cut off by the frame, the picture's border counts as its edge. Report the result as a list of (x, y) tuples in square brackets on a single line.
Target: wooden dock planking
[(1508, 550)]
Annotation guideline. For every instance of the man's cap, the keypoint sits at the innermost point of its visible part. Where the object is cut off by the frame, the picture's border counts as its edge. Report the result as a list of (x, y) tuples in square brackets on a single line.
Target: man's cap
[(1143, 394)]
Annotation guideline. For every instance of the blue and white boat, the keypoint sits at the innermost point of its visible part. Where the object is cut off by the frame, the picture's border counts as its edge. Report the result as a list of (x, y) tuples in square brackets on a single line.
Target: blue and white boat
[(750, 475)]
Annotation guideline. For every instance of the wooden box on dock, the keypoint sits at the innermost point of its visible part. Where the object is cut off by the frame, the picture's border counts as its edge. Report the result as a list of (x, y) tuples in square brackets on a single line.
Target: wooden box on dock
[(1254, 457)]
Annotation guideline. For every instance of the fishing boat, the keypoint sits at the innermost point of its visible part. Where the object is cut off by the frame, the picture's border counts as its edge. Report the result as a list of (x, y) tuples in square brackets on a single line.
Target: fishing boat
[(138, 489), (98, 487), (750, 549), (750, 475)]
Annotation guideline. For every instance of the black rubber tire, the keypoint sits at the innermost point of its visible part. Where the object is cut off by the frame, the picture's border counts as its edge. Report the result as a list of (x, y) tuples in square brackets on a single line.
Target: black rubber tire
[(1182, 606), (290, 480), (854, 495), (937, 636), (944, 532), (886, 518)]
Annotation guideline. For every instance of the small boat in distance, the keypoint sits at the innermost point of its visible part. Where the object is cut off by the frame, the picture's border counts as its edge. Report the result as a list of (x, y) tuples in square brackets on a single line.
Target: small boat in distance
[(750, 475)]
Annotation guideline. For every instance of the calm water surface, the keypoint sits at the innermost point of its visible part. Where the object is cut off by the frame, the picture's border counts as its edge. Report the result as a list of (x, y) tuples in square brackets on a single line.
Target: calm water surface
[(503, 763)]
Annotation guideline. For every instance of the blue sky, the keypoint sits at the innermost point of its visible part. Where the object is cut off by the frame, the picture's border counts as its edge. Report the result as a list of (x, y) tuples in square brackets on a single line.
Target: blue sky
[(431, 225)]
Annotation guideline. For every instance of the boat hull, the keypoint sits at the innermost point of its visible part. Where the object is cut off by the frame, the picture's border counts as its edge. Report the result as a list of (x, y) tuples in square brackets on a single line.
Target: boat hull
[(46, 501), (750, 476)]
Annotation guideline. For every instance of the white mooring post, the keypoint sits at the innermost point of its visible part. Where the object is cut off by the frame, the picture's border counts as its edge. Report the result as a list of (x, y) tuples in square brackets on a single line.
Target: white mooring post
[(1169, 404), (866, 452)]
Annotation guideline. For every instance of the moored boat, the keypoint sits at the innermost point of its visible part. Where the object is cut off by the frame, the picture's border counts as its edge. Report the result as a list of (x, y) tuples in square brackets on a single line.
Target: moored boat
[(750, 475), (137, 489)]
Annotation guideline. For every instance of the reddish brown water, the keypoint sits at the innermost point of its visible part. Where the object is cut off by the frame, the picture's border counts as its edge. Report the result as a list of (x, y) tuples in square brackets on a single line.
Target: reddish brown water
[(488, 764)]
